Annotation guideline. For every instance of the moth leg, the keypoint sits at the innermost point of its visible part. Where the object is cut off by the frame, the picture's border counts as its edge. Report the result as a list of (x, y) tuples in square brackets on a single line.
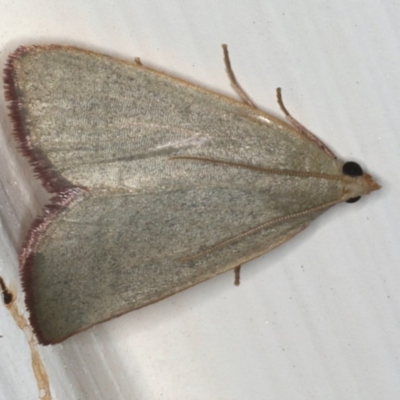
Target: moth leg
[(39, 370), (236, 270), (138, 61), (234, 83), (301, 128)]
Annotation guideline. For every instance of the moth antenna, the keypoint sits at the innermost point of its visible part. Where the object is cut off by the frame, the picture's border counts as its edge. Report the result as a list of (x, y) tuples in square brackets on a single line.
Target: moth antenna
[(272, 171), (258, 228), (300, 127), (234, 83)]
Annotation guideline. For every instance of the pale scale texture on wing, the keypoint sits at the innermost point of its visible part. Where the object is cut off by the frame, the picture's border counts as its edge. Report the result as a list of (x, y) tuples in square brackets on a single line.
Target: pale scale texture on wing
[(106, 123), (112, 127)]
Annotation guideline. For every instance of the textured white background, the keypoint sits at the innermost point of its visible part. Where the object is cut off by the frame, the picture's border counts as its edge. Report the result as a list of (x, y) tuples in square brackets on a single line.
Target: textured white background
[(318, 318)]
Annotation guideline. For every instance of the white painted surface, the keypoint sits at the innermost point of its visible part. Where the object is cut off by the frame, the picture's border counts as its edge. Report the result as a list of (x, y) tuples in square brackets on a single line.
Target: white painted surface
[(315, 319)]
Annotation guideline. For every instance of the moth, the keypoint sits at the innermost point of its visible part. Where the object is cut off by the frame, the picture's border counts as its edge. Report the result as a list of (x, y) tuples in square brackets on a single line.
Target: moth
[(157, 183)]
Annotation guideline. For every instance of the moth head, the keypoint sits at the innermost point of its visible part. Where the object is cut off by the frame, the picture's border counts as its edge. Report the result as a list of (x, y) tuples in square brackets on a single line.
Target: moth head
[(358, 183)]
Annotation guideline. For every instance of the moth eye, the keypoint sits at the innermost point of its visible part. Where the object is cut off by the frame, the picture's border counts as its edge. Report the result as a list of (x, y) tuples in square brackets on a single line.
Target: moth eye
[(353, 199), (351, 168)]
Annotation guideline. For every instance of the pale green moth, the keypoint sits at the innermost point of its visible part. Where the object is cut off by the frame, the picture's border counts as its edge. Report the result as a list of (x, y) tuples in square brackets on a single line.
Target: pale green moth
[(158, 184)]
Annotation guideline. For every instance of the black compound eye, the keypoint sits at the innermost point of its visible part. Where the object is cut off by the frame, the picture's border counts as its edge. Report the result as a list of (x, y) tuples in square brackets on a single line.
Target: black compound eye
[(353, 199), (351, 168)]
